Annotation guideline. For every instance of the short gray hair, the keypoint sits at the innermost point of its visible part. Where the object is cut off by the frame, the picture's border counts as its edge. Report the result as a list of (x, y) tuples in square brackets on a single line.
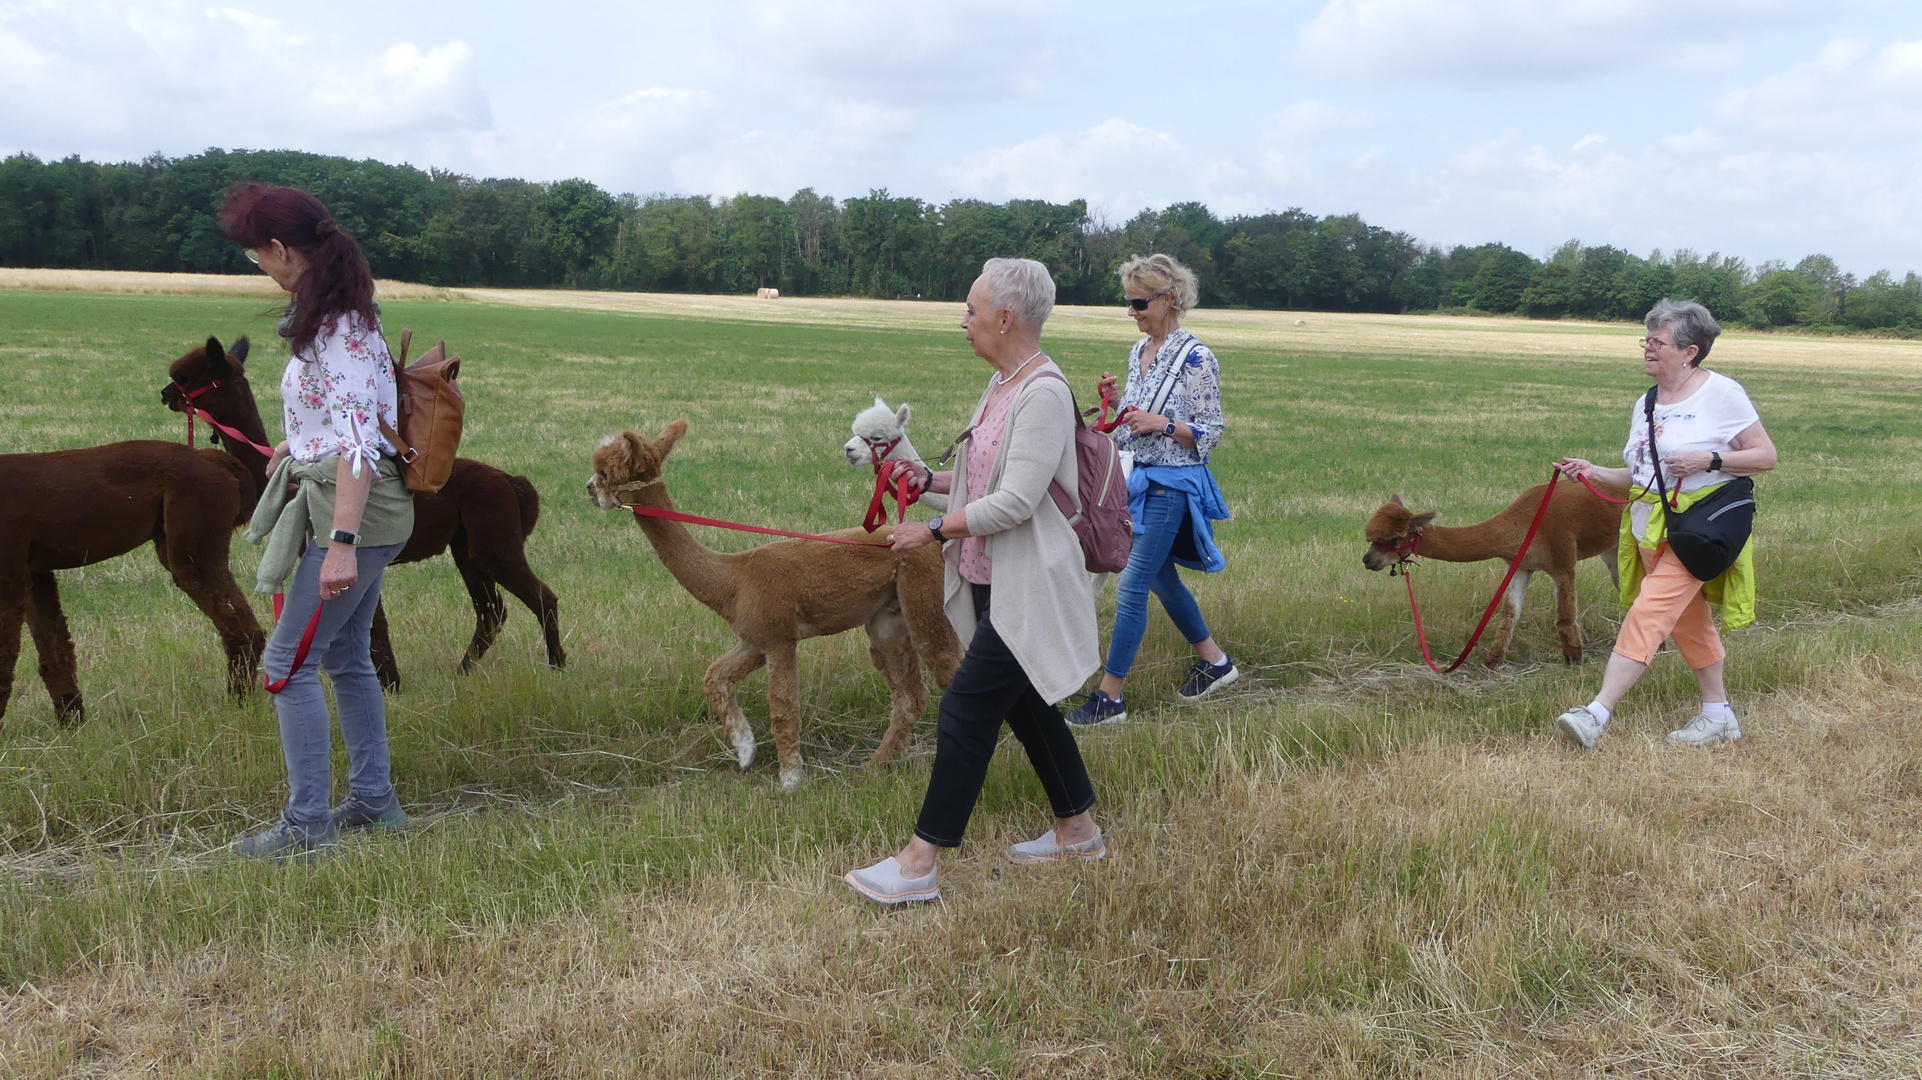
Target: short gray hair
[(1691, 323), (1023, 286), (1159, 274)]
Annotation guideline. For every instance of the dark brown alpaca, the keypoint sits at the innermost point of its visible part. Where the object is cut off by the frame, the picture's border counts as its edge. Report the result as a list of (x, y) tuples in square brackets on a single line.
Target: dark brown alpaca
[(483, 515), (1577, 526), (73, 508)]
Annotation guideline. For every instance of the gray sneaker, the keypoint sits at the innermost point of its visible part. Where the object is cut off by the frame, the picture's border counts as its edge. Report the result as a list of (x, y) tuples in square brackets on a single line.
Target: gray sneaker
[(355, 813), (1581, 727), (1701, 731), (1046, 849), (288, 841)]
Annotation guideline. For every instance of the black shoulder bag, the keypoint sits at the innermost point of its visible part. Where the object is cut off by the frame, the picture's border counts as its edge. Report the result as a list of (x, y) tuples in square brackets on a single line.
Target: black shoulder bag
[(1710, 535)]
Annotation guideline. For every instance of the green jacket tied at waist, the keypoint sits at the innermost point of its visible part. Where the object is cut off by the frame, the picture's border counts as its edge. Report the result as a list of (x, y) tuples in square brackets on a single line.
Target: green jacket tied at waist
[(286, 521), (1733, 590)]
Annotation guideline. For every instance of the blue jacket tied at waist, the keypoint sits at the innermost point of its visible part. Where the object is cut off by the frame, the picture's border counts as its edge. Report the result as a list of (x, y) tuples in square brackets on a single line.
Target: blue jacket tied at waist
[(1205, 505)]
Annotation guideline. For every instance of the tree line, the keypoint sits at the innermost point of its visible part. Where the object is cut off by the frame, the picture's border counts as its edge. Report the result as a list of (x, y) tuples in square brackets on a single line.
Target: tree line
[(444, 228)]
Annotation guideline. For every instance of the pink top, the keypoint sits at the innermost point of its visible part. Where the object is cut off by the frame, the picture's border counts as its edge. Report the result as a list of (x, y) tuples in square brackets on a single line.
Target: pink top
[(982, 449)]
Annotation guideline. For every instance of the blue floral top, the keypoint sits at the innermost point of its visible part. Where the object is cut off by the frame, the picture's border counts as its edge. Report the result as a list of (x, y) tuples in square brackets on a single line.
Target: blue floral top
[(1195, 401), (335, 394)]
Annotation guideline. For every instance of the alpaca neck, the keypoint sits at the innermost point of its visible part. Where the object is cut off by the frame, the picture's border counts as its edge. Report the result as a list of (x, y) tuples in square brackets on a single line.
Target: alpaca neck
[(1463, 543), (701, 570), (905, 451), (244, 417)]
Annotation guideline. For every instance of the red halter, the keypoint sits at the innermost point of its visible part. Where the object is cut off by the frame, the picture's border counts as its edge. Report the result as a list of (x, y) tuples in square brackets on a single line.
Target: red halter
[(193, 410)]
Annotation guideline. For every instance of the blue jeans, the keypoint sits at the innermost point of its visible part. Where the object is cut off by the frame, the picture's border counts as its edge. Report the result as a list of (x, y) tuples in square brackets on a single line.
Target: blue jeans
[(341, 646), (1151, 567)]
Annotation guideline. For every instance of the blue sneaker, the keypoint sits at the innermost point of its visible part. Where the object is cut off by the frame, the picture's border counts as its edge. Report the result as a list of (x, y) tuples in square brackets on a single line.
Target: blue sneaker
[(288, 841), (1098, 709), (1205, 678), (382, 815)]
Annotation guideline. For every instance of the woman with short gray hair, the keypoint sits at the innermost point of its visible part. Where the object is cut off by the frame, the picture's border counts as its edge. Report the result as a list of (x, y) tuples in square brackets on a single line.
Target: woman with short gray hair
[(1707, 433), (1016, 590)]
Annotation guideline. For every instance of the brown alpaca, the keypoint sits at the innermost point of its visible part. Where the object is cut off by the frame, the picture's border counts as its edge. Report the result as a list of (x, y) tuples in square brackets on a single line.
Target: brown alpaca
[(483, 515), (775, 595), (1577, 526), (73, 508)]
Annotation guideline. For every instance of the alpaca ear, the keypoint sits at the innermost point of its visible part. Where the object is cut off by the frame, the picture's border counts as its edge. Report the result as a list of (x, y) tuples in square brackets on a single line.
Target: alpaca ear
[(1396, 499), (217, 359), (1421, 521), (901, 415), (238, 354), (633, 448), (878, 403), (671, 434)]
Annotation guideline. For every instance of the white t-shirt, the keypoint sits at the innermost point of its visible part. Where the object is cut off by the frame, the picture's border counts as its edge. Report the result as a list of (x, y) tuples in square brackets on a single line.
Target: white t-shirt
[(1709, 419)]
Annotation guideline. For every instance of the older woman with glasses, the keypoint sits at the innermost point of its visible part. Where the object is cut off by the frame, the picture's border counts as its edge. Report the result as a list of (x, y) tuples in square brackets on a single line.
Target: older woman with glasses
[(1707, 433), (1171, 422)]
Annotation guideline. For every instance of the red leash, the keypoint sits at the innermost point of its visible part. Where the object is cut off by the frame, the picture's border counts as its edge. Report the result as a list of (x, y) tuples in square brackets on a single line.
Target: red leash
[(275, 686), (1105, 425), (193, 410), (1408, 575), (692, 519)]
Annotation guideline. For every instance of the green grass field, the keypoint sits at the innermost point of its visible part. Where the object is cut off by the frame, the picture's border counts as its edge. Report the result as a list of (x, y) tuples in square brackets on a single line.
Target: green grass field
[(1344, 867)]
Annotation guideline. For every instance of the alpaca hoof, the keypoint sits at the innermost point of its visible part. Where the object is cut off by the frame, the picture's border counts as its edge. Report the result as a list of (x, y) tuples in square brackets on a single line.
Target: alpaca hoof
[(70, 712), (790, 777), (744, 750)]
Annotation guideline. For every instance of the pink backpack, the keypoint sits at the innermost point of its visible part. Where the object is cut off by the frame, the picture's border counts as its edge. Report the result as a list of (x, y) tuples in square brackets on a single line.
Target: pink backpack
[(1102, 524)]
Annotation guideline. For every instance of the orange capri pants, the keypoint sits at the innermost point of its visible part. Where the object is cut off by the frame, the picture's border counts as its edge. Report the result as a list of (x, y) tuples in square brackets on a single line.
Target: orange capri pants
[(1669, 605)]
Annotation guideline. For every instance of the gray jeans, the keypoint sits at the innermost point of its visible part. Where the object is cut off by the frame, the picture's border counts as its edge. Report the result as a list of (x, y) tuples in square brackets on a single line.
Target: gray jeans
[(341, 647)]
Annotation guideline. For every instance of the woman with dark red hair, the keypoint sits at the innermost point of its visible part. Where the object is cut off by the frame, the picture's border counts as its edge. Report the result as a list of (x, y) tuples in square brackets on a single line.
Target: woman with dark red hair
[(349, 516)]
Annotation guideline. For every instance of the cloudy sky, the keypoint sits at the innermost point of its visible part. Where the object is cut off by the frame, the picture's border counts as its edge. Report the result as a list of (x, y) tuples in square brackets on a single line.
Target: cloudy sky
[(1768, 129)]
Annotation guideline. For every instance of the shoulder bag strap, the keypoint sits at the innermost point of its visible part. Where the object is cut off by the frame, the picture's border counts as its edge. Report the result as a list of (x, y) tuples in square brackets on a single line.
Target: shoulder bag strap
[(1167, 387), (1654, 458)]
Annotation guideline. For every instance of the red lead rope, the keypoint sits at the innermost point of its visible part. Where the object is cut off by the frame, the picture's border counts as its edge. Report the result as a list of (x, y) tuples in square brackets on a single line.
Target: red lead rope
[(193, 410), (275, 686), (1407, 573), (692, 519)]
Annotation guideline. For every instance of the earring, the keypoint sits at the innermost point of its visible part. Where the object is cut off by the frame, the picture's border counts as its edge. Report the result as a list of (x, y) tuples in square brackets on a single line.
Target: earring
[(1004, 331)]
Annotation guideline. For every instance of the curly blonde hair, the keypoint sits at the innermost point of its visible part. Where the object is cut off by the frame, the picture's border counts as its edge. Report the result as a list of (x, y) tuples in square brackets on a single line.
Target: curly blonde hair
[(1160, 273)]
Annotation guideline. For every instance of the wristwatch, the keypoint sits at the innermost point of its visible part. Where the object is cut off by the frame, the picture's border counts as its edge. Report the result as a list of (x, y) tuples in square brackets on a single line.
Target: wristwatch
[(1170, 432), (342, 536), (1715, 461), (934, 527)]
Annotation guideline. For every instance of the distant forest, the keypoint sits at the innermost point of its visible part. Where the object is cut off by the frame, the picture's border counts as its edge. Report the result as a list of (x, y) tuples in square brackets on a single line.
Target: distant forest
[(443, 228)]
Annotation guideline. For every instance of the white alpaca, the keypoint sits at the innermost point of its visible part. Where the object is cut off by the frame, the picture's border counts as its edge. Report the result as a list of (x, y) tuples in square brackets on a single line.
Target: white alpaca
[(881, 434)]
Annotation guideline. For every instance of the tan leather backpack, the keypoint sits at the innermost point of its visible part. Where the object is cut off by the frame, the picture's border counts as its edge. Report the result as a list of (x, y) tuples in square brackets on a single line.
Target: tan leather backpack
[(431, 411)]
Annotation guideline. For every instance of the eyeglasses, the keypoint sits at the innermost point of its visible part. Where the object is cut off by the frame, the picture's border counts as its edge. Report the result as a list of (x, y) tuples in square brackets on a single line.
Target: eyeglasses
[(1647, 341), (252, 256), (1140, 303)]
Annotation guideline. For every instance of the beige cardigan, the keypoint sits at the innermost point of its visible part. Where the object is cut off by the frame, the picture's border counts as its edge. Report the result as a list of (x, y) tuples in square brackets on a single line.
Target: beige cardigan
[(1043, 597)]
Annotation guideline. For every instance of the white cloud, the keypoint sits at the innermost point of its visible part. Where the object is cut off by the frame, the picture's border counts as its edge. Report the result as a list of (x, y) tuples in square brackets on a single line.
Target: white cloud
[(1118, 166), (1848, 92), (1486, 43), (167, 74), (906, 53)]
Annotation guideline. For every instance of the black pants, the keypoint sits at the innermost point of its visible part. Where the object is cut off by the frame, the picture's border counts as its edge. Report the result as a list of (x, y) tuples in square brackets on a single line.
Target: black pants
[(988, 688)]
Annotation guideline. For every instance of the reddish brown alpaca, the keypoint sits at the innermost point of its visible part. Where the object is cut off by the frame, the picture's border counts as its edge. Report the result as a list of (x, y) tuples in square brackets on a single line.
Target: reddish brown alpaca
[(73, 508), (1577, 526), (483, 515)]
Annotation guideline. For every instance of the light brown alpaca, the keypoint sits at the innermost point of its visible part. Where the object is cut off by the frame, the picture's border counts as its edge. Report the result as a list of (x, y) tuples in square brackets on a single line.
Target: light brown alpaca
[(775, 595), (1577, 526)]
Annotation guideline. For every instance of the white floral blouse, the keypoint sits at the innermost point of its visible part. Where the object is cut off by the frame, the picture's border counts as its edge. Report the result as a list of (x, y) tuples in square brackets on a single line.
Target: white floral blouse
[(338, 391), (1194, 401)]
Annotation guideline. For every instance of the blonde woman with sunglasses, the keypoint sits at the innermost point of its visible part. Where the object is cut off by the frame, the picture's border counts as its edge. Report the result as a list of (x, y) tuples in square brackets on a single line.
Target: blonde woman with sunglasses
[(1174, 391)]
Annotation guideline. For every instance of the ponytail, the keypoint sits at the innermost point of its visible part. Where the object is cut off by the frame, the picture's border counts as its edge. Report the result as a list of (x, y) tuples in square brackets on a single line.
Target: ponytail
[(337, 280)]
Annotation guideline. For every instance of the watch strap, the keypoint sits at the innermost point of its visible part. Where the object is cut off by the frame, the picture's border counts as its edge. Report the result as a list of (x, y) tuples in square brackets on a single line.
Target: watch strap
[(342, 536), (1715, 461)]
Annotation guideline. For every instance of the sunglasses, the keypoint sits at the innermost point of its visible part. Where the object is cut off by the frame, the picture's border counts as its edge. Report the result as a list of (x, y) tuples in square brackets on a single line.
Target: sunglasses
[(1140, 303), (252, 256)]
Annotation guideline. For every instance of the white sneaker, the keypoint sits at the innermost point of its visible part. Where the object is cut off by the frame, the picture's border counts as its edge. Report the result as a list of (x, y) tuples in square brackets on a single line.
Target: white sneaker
[(1046, 849), (883, 884), (1704, 730), (1580, 726)]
